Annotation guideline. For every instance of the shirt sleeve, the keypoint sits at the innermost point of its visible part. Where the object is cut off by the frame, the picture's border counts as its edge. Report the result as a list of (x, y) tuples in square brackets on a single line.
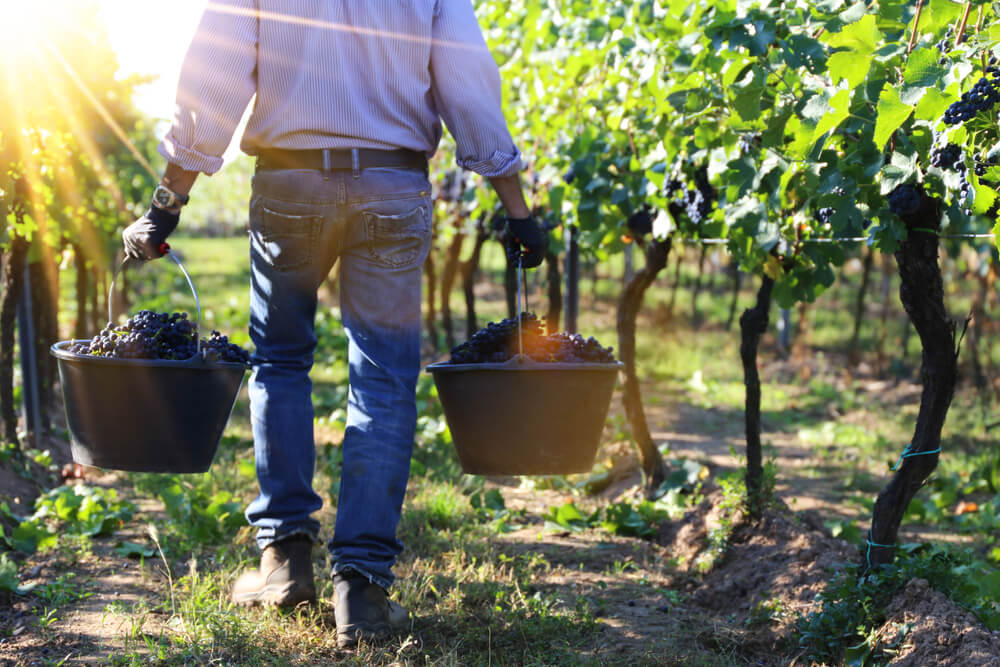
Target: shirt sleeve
[(466, 89), (218, 78)]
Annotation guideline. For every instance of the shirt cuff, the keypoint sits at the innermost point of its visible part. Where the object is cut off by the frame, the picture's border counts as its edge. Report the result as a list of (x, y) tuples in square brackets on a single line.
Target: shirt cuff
[(498, 164), (188, 159)]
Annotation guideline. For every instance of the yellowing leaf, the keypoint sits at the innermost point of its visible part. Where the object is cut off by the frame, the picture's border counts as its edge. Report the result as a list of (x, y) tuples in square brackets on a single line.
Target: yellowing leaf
[(773, 269)]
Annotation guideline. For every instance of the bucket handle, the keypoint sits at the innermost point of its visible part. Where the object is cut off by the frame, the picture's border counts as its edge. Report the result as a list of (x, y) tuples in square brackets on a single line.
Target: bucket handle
[(194, 292), (521, 292)]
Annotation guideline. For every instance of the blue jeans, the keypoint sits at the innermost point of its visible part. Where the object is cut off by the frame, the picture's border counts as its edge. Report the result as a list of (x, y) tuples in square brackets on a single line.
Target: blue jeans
[(377, 222)]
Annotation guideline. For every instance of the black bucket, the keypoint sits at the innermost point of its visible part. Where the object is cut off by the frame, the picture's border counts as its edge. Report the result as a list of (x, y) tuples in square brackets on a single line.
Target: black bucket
[(146, 415), (525, 417)]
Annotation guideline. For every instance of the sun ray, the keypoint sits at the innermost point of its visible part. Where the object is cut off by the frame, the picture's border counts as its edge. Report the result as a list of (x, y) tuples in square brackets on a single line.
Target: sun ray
[(338, 27), (101, 110)]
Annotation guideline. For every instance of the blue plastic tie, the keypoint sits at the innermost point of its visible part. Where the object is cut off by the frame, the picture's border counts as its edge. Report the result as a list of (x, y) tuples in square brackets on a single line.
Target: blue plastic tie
[(868, 553), (909, 453)]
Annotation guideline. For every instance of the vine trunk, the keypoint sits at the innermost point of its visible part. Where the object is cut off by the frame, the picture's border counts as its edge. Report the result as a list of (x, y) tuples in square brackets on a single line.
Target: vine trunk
[(922, 294), (653, 465), (753, 325)]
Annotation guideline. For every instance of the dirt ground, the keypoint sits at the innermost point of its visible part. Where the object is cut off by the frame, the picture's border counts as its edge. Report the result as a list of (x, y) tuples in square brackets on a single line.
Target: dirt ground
[(649, 597)]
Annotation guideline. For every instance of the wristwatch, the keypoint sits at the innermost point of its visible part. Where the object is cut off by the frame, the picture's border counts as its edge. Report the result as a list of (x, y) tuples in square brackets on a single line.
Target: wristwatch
[(164, 197)]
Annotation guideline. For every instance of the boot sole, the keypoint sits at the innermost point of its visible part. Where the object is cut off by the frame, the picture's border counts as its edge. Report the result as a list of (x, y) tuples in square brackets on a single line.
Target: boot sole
[(352, 635), (286, 595)]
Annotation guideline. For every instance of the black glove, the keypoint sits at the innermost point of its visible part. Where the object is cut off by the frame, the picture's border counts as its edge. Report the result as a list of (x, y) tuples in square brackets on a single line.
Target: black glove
[(145, 238), (526, 233)]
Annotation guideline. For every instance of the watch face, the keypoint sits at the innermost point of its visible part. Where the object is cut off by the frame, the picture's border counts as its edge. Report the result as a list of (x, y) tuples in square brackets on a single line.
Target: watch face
[(163, 197)]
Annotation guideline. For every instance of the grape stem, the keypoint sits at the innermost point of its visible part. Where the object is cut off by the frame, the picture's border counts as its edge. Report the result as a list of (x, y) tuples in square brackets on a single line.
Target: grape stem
[(916, 25), (961, 25)]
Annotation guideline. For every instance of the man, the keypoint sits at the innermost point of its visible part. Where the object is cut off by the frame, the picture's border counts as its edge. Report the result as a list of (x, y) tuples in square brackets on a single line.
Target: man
[(349, 102)]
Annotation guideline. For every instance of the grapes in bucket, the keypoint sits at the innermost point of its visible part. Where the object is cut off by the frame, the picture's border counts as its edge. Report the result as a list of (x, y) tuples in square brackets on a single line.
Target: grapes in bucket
[(150, 394)]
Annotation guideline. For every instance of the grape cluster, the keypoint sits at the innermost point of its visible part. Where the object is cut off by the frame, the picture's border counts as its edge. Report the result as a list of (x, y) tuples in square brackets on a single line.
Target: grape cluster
[(904, 200), (695, 202), (218, 348), (748, 142), (983, 96), (824, 216), (948, 157), (153, 335), (498, 342)]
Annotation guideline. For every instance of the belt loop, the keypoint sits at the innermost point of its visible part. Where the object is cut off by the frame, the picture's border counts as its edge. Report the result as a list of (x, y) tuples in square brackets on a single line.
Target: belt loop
[(327, 166), (355, 163)]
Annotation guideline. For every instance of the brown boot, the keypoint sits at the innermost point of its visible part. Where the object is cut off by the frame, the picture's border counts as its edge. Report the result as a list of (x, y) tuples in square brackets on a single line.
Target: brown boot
[(363, 612), (285, 577)]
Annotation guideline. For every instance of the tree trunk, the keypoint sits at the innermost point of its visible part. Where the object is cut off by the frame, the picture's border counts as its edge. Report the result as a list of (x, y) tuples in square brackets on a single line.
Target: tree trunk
[(469, 268), (13, 283), (653, 466), (45, 300), (99, 304), (884, 317), (572, 278), (431, 317), (737, 277), (678, 261), (82, 291), (854, 349), (978, 315), (803, 330), (448, 283), (753, 325), (554, 313), (922, 294), (695, 313)]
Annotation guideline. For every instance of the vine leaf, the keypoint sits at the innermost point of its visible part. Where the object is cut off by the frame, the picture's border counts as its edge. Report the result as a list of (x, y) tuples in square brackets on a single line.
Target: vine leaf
[(996, 234), (850, 66), (892, 113), (839, 110)]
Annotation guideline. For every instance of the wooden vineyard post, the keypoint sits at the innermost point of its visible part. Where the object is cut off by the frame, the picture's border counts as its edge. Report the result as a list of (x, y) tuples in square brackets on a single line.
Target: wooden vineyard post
[(572, 279)]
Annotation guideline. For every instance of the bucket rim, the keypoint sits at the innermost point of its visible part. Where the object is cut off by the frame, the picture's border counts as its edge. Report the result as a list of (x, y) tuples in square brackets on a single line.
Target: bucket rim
[(526, 364), (59, 351)]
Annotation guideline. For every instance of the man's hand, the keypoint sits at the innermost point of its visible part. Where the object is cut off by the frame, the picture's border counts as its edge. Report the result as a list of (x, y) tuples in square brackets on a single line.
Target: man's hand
[(526, 233), (144, 237)]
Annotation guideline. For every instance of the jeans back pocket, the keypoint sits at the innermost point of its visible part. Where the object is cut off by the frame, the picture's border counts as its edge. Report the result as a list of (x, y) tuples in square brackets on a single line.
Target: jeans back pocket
[(284, 239), (398, 240)]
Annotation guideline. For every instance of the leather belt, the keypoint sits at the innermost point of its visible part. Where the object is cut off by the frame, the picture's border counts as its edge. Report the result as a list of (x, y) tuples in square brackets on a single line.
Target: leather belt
[(345, 159)]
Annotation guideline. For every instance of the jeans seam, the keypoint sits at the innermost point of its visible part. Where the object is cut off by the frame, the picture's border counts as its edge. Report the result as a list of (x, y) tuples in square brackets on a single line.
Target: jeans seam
[(373, 579)]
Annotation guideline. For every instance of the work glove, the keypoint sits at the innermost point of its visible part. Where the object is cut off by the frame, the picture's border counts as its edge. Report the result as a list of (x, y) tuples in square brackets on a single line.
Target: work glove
[(146, 237), (526, 239)]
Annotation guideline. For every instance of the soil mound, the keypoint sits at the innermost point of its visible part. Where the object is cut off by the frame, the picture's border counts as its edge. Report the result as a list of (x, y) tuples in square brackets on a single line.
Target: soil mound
[(937, 631)]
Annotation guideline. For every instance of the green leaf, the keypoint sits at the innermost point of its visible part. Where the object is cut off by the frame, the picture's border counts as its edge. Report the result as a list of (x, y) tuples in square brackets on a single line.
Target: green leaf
[(922, 69), (996, 235), (134, 550), (9, 580), (862, 36), (838, 112), (748, 93), (850, 66), (931, 105), (892, 113), (984, 197)]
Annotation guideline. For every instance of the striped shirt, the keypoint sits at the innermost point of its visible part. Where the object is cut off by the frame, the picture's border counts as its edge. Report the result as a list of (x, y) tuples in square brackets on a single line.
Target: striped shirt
[(340, 74)]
